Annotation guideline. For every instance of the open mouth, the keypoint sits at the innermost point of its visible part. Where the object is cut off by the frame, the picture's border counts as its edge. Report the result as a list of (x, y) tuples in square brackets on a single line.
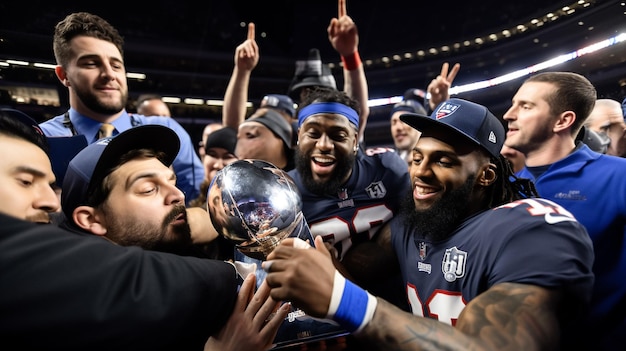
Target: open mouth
[(421, 191), (323, 161), (322, 165)]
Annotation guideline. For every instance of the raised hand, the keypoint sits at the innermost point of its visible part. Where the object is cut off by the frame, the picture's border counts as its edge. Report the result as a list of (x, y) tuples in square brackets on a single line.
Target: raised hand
[(440, 86), (254, 322), (342, 32), (247, 53)]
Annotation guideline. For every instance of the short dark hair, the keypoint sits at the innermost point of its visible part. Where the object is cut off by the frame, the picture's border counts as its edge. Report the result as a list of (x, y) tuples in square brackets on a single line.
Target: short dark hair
[(573, 92), (326, 94), (86, 24)]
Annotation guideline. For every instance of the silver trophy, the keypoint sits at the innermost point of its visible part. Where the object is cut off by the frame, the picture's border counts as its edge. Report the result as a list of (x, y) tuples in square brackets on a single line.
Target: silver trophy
[(255, 205)]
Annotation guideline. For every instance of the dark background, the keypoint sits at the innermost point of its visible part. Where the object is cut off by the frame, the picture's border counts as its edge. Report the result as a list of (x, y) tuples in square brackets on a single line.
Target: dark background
[(186, 48)]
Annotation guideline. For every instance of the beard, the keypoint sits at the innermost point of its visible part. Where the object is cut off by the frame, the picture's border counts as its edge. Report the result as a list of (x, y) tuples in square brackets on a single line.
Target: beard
[(443, 217), (343, 167), (165, 238), (93, 103)]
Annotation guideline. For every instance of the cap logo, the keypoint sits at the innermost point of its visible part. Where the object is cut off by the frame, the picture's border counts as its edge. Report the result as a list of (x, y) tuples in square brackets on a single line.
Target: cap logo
[(446, 109), (271, 101), (492, 137)]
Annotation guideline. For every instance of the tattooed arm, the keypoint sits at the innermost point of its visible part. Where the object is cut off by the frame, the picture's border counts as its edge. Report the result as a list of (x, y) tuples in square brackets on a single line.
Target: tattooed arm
[(508, 316)]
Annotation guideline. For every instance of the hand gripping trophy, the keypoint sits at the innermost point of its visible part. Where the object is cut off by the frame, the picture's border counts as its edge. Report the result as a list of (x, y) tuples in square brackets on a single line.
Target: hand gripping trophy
[(255, 205)]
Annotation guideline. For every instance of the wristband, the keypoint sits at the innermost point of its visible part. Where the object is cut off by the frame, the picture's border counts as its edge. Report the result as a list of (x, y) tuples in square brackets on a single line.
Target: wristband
[(350, 306), (351, 62)]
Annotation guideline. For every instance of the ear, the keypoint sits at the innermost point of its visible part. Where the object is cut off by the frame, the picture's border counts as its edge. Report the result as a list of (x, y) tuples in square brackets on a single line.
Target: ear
[(60, 72), (488, 175), (86, 218), (565, 121)]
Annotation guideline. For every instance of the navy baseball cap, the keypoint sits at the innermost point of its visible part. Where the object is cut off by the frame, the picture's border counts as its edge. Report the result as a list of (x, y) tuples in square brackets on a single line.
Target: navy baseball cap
[(464, 118), (415, 94), (279, 101), (92, 164), (23, 118), (410, 106)]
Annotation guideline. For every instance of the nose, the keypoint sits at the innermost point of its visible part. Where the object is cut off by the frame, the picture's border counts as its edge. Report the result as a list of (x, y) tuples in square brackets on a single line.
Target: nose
[(174, 195), (324, 142), (421, 169), (47, 200), (218, 163), (509, 115), (108, 71)]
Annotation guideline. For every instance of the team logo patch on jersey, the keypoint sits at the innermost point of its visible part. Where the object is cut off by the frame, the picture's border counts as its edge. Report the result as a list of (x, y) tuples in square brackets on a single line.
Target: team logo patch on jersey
[(446, 109), (376, 190), (422, 250), (453, 264), (342, 194)]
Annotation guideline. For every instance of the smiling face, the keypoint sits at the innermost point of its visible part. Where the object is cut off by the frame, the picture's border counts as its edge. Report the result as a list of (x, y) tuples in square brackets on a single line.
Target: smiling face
[(26, 177), (327, 147), (447, 182), (96, 77), (215, 159), (145, 207), (404, 137), (439, 168)]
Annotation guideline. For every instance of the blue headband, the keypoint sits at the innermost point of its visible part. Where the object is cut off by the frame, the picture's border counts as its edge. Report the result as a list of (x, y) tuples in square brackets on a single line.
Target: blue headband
[(328, 107)]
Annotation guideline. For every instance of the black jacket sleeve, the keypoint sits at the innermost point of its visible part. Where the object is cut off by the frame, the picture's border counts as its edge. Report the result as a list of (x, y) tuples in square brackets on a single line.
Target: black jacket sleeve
[(61, 290)]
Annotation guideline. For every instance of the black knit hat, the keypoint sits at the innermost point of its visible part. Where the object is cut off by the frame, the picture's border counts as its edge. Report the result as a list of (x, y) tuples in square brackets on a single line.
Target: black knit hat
[(276, 123), (225, 137)]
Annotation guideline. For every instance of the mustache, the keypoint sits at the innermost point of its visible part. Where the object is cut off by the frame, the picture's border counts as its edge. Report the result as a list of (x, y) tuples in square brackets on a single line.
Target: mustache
[(39, 217), (174, 213)]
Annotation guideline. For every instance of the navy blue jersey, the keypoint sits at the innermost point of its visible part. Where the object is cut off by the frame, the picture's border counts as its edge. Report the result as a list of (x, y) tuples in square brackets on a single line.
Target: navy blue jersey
[(368, 200), (530, 241)]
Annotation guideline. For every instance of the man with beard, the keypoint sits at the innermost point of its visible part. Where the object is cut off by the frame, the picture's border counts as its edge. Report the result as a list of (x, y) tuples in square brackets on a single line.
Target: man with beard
[(90, 63), (25, 170), (486, 265), (77, 292), (347, 196), (123, 188)]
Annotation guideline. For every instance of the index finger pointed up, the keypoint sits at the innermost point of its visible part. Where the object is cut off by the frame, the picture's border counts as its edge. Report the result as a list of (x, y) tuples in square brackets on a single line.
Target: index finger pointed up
[(342, 8), (251, 31)]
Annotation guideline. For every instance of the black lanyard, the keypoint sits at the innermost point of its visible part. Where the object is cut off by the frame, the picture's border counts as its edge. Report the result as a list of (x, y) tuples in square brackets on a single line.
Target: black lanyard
[(68, 123)]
